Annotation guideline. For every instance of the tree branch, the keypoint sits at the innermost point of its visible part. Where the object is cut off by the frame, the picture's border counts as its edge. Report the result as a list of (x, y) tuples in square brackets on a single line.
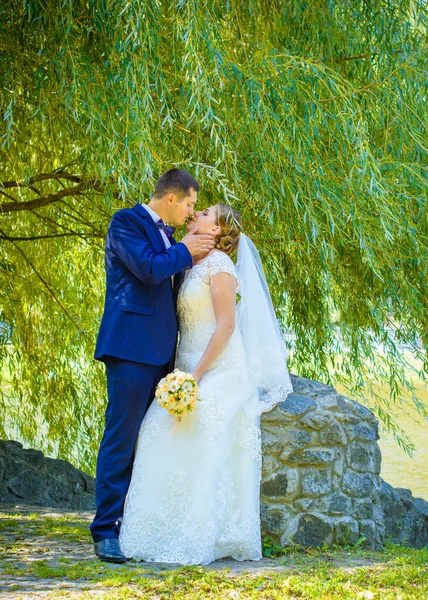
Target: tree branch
[(43, 177), (42, 200), (45, 237), (83, 183), (7, 195), (49, 221), (47, 286), (66, 229), (80, 218), (344, 58)]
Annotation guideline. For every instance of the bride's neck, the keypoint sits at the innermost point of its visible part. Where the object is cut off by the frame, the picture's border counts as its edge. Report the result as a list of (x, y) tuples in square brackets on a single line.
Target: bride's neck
[(200, 257)]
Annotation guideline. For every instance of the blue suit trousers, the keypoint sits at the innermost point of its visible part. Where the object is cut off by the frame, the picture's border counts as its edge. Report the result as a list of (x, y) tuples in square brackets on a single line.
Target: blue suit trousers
[(131, 388)]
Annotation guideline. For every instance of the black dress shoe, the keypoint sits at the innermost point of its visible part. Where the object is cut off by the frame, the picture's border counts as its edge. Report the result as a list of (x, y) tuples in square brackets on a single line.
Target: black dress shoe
[(108, 549)]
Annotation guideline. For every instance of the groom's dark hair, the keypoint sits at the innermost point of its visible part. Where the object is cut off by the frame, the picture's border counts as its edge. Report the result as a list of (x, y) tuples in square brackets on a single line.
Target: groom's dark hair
[(177, 181)]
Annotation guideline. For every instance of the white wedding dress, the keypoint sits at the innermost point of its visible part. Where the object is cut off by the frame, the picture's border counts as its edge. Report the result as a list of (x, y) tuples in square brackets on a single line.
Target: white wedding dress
[(194, 492)]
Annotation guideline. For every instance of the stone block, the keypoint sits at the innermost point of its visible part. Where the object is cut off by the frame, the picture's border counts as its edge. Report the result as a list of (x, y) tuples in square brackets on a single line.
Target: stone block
[(368, 530), (283, 485), (378, 516), (276, 418), (344, 405), (347, 420), (296, 405), (359, 457), (308, 387), (274, 520), (297, 438), (393, 509), (376, 459), (306, 504), (315, 482), (26, 485), (361, 431), (270, 466), (339, 504), (310, 456), (276, 486), (364, 509), (421, 506), (404, 493), (339, 464), (337, 403), (316, 421), (376, 428), (271, 444), (321, 505), (361, 411), (329, 402), (333, 435), (313, 530), (414, 529), (346, 531), (357, 485), (34, 457)]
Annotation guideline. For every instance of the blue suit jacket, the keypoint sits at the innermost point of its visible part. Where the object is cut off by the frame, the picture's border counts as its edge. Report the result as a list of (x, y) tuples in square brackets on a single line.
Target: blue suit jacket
[(139, 321)]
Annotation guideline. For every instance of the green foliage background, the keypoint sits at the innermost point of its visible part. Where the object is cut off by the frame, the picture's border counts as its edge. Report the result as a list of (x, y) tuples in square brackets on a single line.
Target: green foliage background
[(309, 117)]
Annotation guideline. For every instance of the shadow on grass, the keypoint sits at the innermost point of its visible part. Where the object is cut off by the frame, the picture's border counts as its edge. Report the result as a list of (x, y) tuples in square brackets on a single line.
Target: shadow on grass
[(54, 555)]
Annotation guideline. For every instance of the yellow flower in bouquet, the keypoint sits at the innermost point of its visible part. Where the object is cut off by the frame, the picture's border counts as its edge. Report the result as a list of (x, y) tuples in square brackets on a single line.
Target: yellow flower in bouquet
[(178, 393)]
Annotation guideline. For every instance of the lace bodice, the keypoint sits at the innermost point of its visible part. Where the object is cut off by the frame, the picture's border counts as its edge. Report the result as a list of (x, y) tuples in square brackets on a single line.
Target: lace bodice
[(195, 305)]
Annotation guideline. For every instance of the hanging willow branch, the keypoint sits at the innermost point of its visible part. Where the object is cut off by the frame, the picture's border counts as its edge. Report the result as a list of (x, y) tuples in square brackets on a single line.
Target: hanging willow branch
[(310, 121)]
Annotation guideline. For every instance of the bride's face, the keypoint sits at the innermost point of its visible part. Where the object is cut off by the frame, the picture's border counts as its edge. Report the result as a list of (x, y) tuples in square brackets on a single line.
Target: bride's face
[(205, 220)]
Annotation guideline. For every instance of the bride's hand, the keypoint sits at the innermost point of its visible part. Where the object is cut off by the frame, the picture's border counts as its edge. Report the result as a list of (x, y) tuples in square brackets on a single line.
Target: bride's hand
[(196, 376)]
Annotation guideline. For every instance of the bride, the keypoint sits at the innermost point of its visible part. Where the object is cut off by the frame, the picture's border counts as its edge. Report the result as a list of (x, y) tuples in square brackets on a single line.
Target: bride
[(194, 492)]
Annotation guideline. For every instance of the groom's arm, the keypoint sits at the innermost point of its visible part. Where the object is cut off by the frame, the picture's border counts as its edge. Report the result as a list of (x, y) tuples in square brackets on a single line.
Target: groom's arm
[(132, 247)]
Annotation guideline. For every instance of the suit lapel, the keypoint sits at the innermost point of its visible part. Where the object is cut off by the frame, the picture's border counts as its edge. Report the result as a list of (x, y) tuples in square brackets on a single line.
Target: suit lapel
[(178, 277), (151, 228), (156, 239)]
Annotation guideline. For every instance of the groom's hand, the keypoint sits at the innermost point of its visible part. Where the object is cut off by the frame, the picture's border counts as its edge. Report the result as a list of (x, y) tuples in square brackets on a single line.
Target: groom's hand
[(198, 244)]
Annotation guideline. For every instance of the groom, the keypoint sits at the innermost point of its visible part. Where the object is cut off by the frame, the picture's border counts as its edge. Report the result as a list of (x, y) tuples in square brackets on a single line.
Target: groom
[(138, 333)]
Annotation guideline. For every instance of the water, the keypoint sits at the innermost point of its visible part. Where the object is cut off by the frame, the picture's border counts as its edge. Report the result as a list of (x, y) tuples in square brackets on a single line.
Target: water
[(398, 468)]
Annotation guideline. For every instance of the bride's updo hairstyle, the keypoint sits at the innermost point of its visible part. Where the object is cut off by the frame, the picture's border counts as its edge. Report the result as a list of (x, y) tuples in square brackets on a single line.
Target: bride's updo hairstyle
[(230, 222)]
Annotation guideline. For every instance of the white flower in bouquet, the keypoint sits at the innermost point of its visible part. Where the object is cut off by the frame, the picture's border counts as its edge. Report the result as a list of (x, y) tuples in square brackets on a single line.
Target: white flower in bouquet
[(178, 393)]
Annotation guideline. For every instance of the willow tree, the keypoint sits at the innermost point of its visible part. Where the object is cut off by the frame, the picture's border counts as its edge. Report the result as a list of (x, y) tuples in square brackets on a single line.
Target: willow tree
[(308, 117)]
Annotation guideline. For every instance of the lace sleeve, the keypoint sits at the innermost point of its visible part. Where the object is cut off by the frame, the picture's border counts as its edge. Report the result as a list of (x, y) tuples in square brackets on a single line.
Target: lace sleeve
[(219, 262)]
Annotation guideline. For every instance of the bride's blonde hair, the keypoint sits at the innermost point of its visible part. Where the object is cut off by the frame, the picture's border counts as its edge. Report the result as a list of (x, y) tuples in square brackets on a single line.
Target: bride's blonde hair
[(230, 222)]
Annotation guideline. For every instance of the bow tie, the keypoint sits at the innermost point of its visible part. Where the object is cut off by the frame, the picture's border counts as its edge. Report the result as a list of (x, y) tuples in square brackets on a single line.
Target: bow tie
[(162, 226)]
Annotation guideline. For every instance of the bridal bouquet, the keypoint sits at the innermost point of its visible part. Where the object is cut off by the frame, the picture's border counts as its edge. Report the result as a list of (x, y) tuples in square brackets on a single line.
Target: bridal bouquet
[(178, 393)]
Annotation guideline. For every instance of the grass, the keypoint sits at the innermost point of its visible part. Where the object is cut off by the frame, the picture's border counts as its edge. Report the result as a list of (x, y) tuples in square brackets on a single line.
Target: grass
[(339, 573), (66, 527)]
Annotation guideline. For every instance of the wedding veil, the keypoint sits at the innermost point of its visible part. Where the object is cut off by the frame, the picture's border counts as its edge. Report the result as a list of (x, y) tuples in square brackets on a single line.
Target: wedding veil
[(263, 341)]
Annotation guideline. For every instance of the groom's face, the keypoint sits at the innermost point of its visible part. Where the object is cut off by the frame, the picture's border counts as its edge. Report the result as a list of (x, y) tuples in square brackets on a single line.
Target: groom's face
[(182, 209)]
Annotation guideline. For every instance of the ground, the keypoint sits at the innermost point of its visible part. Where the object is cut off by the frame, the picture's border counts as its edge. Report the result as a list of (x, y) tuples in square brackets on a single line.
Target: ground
[(47, 553)]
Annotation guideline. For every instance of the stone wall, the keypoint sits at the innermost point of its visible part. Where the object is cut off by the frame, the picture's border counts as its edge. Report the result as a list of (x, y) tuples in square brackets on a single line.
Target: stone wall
[(321, 482), (27, 477)]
